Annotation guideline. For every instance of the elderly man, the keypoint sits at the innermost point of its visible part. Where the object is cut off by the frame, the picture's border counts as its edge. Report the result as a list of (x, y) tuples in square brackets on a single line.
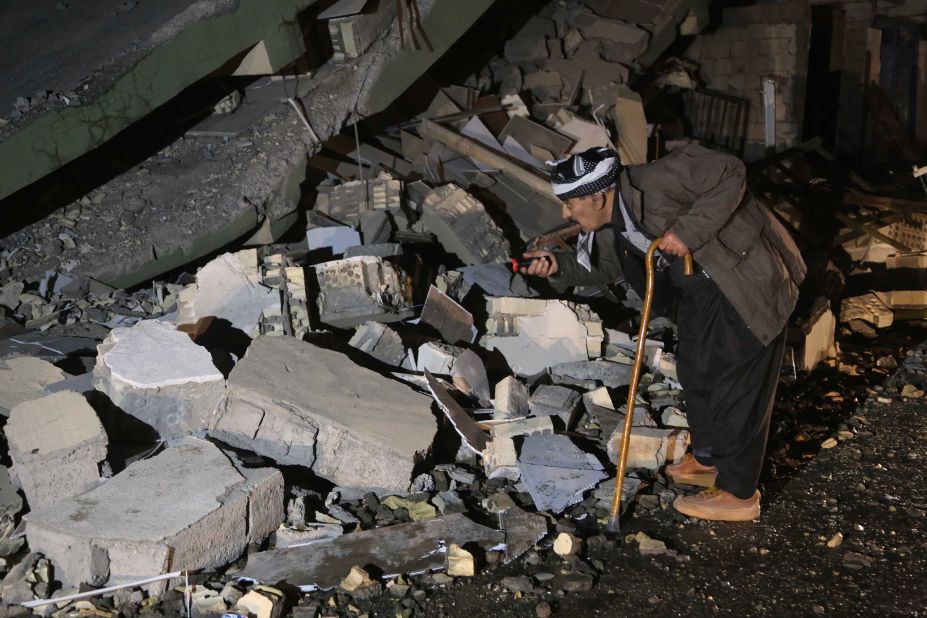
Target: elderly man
[(731, 314)]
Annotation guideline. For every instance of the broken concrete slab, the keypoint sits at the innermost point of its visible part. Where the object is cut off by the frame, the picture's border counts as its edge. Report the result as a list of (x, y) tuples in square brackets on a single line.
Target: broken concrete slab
[(871, 308), (587, 134), (473, 437), (56, 445), (192, 508), (463, 227), (447, 317), (303, 405), (437, 358), (522, 530), (359, 289), (405, 548), (500, 459), (556, 472), (379, 341), (535, 425), (511, 399), (227, 288), (548, 400), (154, 372), (534, 334), (605, 492), (24, 378), (650, 447), (591, 374), (819, 335)]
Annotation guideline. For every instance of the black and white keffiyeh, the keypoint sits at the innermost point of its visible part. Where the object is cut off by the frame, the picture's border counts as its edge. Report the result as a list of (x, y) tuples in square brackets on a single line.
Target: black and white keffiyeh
[(585, 173)]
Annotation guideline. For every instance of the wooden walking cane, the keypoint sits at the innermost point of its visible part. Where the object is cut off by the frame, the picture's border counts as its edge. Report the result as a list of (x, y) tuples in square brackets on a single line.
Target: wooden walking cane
[(614, 526)]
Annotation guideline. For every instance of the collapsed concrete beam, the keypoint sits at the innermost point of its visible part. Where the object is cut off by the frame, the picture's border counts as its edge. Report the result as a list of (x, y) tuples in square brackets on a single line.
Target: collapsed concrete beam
[(128, 77), (303, 405), (56, 444), (189, 507), (154, 372), (463, 226)]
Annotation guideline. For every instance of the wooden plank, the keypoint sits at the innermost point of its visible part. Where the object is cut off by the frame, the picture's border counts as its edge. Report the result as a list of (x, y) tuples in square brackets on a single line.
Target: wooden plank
[(880, 201)]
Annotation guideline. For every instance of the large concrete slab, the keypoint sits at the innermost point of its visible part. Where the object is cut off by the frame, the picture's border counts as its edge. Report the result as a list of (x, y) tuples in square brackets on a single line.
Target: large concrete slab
[(156, 373), (186, 508), (300, 404), (56, 444)]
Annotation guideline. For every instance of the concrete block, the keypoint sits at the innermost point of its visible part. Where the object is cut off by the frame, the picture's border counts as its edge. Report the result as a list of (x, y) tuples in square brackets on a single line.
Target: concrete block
[(156, 373), (438, 358), (303, 405), (534, 334), (500, 460), (227, 288), (359, 289), (347, 202), (511, 399), (463, 227), (24, 378), (379, 341), (547, 400), (650, 447), (56, 444), (189, 507)]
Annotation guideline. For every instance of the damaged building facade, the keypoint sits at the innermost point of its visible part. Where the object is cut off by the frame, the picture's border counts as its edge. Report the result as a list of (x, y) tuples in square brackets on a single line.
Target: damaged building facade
[(262, 348)]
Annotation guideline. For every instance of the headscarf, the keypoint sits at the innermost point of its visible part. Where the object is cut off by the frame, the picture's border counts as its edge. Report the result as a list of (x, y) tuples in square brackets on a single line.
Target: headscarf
[(585, 173)]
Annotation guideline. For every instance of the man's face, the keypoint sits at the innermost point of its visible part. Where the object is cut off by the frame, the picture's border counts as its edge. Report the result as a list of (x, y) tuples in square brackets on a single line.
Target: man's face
[(588, 211)]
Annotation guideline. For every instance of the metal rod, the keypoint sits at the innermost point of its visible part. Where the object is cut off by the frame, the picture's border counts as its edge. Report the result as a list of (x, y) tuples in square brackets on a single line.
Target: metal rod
[(614, 525)]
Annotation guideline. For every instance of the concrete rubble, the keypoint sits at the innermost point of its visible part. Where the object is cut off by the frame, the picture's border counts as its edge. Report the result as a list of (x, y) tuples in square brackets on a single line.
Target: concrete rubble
[(57, 444), (534, 334), (173, 525), (393, 241), (302, 405), (380, 342), (228, 288), (157, 374)]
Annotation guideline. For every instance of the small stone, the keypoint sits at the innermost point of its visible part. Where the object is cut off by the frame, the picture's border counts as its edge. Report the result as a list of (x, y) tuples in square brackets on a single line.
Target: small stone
[(261, 602), (829, 443), (459, 562), (519, 583), (911, 391), (835, 541), (578, 582), (648, 546), (818, 610), (567, 545), (543, 610), (359, 584)]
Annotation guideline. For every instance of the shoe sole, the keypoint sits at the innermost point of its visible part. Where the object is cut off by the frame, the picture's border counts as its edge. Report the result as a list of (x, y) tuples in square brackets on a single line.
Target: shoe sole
[(746, 514), (699, 479)]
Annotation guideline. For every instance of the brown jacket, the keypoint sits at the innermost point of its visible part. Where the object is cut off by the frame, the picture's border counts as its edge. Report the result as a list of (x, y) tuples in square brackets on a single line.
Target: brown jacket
[(701, 195)]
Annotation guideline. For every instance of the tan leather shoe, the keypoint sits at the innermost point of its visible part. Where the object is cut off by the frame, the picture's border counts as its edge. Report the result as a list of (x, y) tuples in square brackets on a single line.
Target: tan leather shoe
[(690, 472), (719, 505)]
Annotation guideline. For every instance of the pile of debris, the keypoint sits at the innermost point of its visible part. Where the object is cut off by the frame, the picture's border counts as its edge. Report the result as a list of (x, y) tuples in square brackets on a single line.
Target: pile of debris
[(304, 398), (383, 399)]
